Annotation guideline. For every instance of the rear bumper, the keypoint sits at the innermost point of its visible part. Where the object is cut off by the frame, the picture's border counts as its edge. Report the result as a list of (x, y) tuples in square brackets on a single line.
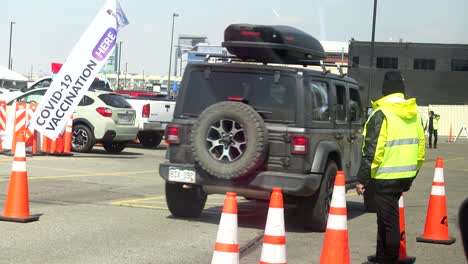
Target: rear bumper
[(292, 184), (152, 126), (120, 132)]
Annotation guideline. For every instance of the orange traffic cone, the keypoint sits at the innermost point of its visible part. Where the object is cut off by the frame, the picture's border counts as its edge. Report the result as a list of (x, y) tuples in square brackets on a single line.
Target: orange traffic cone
[(274, 240), (17, 201), (68, 136), (403, 256), (450, 133), (335, 246), (227, 248), (436, 229)]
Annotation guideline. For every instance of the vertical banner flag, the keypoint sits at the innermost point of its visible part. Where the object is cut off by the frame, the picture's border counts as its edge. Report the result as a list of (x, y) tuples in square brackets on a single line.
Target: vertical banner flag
[(79, 70)]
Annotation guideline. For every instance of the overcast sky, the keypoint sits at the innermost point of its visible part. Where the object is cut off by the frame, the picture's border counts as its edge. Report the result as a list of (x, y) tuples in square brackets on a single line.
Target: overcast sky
[(46, 30)]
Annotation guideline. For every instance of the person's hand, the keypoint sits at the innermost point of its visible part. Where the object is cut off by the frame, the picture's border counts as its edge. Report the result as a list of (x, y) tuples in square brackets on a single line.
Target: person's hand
[(360, 188)]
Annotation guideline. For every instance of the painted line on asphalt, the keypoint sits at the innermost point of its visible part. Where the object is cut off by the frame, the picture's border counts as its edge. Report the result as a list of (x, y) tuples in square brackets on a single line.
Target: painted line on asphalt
[(98, 174), (141, 199), (58, 169), (144, 202)]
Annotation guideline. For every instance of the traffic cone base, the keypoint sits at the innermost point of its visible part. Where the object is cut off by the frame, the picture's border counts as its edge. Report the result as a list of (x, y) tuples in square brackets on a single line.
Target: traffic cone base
[(449, 241), (31, 218), (407, 260)]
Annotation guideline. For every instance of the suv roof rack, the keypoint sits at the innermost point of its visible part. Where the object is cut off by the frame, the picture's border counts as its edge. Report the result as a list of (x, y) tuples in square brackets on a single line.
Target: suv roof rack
[(304, 63), (272, 44)]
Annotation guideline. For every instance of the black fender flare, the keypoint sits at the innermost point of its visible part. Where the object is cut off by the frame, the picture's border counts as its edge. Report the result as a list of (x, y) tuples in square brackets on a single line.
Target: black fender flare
[(324, 150), (83, 121)]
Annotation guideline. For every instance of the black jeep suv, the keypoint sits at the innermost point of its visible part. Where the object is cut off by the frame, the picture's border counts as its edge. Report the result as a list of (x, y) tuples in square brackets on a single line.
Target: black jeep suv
[(249, 127)]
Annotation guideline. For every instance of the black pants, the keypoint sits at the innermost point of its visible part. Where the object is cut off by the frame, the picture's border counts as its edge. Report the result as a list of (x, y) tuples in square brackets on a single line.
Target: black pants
[(388, 227), (435, 138)]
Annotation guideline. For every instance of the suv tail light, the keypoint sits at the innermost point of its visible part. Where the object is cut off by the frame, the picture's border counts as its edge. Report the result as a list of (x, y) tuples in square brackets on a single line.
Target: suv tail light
[(299, 145), (145, 113), (172, 135), (104, 111)]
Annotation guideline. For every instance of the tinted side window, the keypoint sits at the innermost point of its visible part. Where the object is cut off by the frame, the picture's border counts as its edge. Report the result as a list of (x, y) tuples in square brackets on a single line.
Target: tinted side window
[(86, 101), (319, 100), (114, 100), (355, 104), (340, 107)]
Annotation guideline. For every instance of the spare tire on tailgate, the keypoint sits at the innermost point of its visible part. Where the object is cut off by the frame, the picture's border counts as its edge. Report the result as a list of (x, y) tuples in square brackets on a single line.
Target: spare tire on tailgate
[(229, 140)]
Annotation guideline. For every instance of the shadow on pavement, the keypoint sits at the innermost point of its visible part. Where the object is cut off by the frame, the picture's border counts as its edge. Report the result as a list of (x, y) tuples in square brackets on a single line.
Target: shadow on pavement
[(253, 214)]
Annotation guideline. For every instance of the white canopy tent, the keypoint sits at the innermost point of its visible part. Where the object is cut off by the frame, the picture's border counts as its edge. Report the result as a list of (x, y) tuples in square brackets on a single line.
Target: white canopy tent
[(11, 84), (6, 74)]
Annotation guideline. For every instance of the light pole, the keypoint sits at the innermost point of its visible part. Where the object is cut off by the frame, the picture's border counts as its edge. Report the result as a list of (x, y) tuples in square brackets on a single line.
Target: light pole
[(371, 63), (10, 65), (174, 15), (125, 79), (118, 73)]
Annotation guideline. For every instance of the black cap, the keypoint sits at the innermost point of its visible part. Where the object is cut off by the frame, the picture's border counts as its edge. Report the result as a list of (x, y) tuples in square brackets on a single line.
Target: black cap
[(393, 83)]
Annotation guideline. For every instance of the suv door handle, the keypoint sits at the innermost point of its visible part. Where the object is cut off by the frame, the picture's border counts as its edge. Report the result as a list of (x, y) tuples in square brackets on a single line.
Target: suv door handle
[(339, 136)]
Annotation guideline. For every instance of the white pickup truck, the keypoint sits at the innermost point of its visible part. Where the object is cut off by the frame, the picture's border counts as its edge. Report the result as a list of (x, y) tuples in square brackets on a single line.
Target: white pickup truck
[(152, 114)]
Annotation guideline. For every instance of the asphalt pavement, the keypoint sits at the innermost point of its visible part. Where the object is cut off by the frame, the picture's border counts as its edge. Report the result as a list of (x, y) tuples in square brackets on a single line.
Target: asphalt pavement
[(103, 208)]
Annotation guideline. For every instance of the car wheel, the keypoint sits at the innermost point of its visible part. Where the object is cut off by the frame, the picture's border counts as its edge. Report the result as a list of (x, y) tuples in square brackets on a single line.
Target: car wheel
[(114, 147), (315, 209), (82, 139), (185, 202), (149, 140), (369, 198), (229, 140)]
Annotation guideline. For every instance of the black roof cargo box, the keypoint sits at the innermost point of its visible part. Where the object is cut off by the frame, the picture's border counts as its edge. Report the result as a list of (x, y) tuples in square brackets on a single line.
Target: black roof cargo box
[(272, 44)]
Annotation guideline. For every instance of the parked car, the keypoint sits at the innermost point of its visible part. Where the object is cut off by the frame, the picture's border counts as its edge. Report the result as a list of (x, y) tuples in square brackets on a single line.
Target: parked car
[(250, 127), (141, 94), (153, 114), (97, 84), (101, 117)]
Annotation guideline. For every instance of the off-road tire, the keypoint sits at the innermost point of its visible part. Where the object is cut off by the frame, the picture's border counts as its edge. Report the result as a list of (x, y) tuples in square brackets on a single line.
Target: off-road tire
[(315, 209), (82, 139), (185, 202), (149, 139), (114, 147), (369, 198), (255, 135)]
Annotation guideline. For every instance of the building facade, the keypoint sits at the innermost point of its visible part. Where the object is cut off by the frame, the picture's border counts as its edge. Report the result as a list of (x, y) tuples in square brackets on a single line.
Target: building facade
[(434, 73)]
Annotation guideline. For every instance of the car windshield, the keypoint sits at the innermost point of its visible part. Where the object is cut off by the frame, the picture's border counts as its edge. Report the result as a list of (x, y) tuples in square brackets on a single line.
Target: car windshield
[(115, 100), (273, 100)]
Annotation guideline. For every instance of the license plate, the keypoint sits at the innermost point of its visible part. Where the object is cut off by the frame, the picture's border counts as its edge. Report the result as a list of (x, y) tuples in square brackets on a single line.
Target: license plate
[(181, 175), (125, 118)]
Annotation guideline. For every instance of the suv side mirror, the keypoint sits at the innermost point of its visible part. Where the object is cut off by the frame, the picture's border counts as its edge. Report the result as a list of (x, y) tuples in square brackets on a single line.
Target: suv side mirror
[(369, 111)]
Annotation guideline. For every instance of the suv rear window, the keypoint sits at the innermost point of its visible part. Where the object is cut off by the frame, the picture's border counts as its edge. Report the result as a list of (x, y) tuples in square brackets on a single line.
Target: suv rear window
[(274, 101), (114, 100)]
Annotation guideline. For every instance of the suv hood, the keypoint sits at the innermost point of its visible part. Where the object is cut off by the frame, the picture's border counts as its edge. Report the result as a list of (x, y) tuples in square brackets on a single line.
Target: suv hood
[(396, 103)]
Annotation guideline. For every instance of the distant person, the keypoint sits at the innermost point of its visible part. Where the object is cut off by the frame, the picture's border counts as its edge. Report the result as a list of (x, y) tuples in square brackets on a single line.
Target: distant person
[(393, 153), (432, 127)]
